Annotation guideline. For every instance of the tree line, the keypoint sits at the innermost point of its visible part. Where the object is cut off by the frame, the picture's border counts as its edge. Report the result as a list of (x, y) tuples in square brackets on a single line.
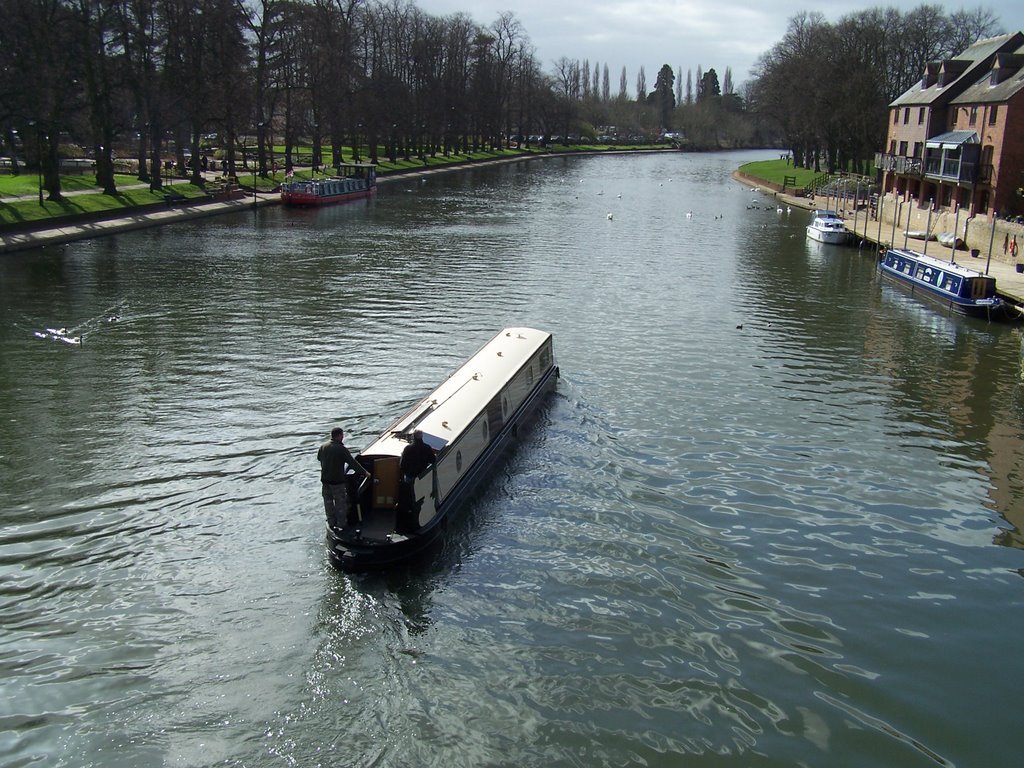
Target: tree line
[(156, 76), (151, 78), (827, 87)]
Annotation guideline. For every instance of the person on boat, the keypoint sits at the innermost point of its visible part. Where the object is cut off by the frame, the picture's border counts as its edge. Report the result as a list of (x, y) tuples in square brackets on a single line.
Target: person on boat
[(335, 460), (416, 457)]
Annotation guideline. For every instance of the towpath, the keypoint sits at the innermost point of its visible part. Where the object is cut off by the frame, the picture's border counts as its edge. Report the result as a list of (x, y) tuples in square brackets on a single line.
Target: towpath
[(1009, 282)]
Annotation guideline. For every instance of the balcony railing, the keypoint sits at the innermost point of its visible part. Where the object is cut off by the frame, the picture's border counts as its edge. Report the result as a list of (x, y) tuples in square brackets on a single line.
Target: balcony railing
[(908, 166), (936, 167)]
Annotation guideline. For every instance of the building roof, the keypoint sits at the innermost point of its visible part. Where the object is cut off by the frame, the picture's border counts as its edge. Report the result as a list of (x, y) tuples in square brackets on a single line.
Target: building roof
[(951, 77), (952, 140), (1003, 79)]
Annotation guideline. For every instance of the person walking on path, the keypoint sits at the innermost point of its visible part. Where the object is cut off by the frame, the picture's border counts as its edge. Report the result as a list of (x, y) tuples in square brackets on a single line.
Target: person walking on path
[(1013, 248), (1006, 243), (335, 461)]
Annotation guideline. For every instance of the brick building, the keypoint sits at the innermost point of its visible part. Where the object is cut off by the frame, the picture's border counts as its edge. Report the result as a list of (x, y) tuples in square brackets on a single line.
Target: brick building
[(956, 138)]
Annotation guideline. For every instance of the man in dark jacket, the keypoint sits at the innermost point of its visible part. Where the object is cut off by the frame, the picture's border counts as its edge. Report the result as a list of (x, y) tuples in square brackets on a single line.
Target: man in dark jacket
[(416, 457), (335, 460)]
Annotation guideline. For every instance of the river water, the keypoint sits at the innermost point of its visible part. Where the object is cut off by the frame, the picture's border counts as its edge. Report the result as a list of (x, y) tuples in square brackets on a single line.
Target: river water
[(771, 516)]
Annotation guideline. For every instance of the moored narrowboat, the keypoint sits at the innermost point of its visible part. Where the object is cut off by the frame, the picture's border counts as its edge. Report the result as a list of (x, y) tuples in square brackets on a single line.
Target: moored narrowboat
[(467, 421), (951, 285), (354, 181)]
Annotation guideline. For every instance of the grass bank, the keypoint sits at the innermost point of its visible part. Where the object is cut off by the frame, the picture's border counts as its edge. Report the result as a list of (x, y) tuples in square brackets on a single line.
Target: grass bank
[(776, 172), (30, 212)]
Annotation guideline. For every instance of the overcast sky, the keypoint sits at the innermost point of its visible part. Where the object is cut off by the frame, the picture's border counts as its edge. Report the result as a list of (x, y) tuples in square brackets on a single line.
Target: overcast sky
[(681, 33)]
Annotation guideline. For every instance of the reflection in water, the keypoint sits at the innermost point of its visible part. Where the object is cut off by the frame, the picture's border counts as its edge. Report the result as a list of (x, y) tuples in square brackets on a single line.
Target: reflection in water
[(755, 522)]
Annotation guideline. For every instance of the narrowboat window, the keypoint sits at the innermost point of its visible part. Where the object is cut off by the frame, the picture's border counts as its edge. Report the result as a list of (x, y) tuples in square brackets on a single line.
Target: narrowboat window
[(545, 358), (504, 407), (529, 375), (483, 430), (458, 461)]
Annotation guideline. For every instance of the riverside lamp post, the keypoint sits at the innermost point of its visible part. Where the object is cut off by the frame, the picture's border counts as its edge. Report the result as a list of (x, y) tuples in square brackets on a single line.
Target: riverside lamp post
[(40, 169), (316, 147), (39, 157), (255, 163)]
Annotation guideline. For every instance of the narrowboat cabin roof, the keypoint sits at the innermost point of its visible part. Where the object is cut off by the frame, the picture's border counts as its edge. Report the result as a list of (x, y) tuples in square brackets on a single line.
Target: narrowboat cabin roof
[(459, 400), (946, 266)]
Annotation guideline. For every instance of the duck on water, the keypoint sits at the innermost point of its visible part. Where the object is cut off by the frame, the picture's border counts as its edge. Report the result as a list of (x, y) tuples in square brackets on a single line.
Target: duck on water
[(399, 491)]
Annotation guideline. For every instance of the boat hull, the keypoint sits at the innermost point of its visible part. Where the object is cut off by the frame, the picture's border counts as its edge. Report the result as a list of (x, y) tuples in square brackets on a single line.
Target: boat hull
[(305, 200), (377, 538), (831, 237)]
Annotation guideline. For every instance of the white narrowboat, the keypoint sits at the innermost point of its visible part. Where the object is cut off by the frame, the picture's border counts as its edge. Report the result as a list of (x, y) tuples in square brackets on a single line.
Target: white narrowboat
[(468, 420)]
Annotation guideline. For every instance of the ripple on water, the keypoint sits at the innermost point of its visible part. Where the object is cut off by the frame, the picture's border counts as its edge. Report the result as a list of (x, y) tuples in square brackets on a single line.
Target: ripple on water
[(758, 512)]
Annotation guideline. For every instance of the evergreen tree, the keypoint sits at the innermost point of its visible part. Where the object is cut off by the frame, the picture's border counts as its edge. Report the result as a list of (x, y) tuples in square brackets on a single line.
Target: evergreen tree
[(708, 87), (663, 97)]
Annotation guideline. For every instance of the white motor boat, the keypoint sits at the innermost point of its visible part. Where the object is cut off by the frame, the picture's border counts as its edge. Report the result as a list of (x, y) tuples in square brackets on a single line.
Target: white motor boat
[(828, 227)]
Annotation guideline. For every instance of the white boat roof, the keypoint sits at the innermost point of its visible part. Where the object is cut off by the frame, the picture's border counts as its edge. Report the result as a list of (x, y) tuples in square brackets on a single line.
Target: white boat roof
[(458, 401), (934, 263), (821, 213)]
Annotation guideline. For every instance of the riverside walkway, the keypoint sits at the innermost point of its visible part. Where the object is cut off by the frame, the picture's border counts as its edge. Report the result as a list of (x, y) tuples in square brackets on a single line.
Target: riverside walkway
[(58, 233), (871, 238)]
